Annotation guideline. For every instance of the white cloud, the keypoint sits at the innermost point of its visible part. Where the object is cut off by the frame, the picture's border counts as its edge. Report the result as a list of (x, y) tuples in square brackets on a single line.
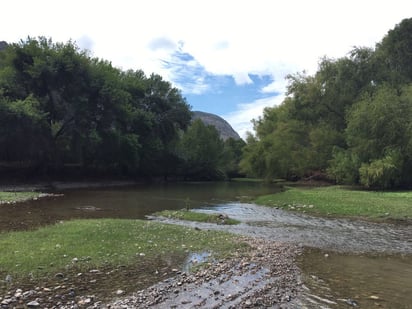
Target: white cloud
[(248, 37), (162, 43), (241, 119), (277, 86)]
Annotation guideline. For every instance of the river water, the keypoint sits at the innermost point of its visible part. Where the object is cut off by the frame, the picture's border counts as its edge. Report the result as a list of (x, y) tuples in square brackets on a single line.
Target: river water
[(346, 263)]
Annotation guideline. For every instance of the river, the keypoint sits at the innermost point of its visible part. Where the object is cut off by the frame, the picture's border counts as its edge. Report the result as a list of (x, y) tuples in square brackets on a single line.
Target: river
[(346, 263)]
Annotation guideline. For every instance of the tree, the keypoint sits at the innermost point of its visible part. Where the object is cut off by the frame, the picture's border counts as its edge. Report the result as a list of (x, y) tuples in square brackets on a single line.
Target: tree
[(394, 55), (202, 151), (232, 154), (379, 134), (26, 142), (82, 111)]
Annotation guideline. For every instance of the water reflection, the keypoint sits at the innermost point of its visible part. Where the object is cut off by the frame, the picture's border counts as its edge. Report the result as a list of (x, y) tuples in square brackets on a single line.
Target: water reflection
[(133, 202), (368, 281), (333, 281)]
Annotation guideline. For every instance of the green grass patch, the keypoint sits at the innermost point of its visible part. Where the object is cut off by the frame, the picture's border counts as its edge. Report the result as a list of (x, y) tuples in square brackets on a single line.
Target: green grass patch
[(7, 197), (196, 216), (239, 179), (89, 244), (341, 202)]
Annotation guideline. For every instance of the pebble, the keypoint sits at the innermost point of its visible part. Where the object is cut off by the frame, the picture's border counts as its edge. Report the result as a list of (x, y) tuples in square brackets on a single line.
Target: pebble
[(33, 304), (222, 278)]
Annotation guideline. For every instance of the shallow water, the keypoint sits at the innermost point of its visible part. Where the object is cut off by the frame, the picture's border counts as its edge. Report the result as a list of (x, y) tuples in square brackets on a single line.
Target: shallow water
[(341, 235), (367, 281), (133, 202), (345, 264), (368, 265)]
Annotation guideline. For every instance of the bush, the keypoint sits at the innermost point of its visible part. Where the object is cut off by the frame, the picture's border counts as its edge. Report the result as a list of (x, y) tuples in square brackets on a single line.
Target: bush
[(382, 173)]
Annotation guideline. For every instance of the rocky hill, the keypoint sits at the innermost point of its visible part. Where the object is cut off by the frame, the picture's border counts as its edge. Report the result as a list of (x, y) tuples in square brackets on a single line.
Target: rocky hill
[(224, 128), (3, 45)]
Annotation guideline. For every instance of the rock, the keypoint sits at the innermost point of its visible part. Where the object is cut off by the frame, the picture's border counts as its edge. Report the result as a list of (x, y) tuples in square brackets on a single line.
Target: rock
[(119, 292), (28, 294), (222, 126), (59, 275), (185, 302), (33, 304), (351, 302), (6, 301)]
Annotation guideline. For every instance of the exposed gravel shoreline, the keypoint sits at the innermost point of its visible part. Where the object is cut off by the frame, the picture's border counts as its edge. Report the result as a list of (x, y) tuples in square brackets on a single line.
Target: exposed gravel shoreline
[(265, 277)]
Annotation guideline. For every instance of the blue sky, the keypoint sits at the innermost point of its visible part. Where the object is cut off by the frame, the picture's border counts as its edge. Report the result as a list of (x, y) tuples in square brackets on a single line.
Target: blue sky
[(217, 94), (227, 57)]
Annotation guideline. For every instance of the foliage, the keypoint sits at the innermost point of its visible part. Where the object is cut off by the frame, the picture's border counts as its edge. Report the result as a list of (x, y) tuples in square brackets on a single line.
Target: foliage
[(350, 120), (343, 202), (232, 154), (202, 152), (60, 107), (344, 166), (381, 173)]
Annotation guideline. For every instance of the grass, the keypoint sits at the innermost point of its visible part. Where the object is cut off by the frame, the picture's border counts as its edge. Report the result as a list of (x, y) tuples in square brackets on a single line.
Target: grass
[(245, 179), (90, 244), (7, 197), (196, 216), (341, 202)]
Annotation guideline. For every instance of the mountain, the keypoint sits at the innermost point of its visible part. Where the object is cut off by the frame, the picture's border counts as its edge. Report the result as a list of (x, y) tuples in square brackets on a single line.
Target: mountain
[(3, 45), (224, 128)]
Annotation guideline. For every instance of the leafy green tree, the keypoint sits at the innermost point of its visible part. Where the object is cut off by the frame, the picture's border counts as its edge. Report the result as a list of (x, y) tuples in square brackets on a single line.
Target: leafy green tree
[(202, 151), (232, 155), (93, 116), (379, 133), (351, 119), (382, 173), (27, 141), (252, 162), (344, 166), (394, 55), (168, 114)]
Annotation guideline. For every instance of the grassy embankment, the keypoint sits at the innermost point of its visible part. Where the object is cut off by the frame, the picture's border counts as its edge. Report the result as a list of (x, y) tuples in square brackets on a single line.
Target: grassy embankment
[(81, 245), (11, 197), (196, 216), (338, 201)]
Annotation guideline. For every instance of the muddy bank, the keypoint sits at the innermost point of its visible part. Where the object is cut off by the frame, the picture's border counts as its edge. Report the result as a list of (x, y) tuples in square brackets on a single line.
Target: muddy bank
[(65, 185), (265, 277)]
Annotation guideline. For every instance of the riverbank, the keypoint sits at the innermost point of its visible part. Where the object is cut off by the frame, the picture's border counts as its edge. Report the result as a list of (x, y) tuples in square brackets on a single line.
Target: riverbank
[(46, 186), (341, 202), (264, 276), (86, 263)]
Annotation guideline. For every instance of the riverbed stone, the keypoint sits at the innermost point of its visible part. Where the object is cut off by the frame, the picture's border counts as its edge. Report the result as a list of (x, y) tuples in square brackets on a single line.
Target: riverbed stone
[(33, 304)]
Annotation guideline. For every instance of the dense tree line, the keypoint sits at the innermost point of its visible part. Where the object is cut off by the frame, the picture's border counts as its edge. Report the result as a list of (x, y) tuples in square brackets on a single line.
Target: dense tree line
[(62, 109), (351, 121)]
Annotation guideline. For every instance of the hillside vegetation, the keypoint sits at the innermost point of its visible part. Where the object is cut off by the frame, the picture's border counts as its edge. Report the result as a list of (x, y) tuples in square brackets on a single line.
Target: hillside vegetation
[(64, 112), (349, 122)]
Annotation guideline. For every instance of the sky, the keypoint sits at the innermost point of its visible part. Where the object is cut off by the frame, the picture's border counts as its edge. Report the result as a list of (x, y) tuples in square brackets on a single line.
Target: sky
[(227, 57)]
